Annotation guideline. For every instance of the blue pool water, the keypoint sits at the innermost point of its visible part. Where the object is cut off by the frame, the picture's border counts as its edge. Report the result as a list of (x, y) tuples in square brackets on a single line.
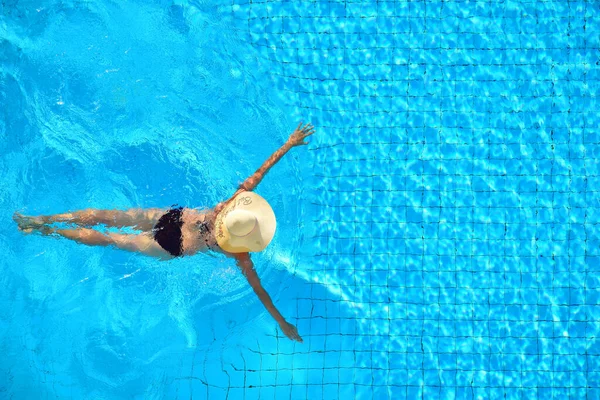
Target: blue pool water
[(438, 238)]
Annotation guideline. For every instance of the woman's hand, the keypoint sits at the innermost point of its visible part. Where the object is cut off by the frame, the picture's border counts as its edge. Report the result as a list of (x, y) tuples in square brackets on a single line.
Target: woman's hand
[(301, 133), (290, 331)]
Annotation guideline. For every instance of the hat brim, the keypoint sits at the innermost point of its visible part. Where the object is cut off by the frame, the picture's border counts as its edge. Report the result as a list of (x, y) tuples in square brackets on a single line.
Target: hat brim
[(259, 237)]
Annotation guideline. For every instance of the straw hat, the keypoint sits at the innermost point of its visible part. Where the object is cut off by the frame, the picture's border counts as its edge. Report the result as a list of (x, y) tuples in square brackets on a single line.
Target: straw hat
[(246, 224)]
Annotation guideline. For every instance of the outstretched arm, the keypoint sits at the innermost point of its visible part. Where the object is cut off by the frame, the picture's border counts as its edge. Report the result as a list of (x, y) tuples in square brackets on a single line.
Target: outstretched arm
[(245, 263), (296, 139)]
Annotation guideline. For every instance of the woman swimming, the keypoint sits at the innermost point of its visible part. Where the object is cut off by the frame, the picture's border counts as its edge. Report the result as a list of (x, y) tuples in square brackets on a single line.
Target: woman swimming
[(242, 224)]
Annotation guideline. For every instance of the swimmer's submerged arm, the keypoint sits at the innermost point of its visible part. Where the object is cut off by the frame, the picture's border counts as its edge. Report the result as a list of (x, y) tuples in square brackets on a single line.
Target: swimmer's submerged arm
[(296, 139), (245, 263)]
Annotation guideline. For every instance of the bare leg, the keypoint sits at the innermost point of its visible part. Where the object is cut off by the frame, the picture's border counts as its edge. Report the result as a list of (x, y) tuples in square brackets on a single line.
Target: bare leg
[(87, 236), (143, 219), (142, 243)]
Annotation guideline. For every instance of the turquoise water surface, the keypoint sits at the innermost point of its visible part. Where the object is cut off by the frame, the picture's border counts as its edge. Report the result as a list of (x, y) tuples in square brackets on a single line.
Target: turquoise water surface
[(437, 239)]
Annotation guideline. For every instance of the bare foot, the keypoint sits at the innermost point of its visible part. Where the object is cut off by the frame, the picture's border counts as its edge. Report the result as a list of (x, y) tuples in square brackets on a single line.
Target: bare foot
[(28, 224)]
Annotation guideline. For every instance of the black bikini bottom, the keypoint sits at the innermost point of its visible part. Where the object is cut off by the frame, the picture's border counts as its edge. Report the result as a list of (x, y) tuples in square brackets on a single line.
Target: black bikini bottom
[(167, 231)]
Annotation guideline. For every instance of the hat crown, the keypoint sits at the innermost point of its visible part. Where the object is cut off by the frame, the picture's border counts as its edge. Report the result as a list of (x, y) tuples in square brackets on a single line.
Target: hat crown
[(240, 222), (246, 224)]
